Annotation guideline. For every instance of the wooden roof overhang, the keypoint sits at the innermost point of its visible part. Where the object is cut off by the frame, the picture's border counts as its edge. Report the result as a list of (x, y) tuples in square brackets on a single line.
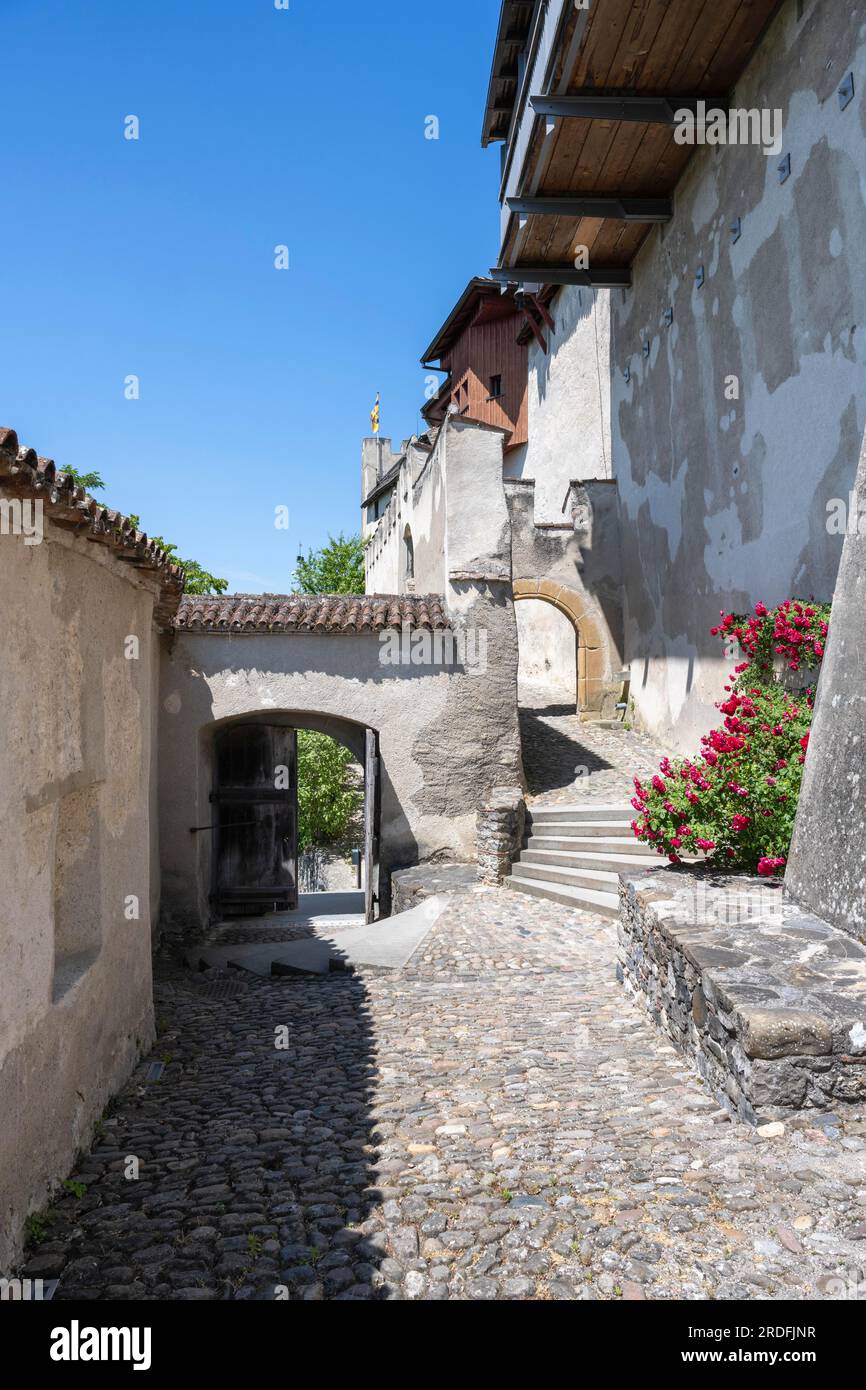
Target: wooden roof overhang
[(482, 301), (601, 162), (515, 22)]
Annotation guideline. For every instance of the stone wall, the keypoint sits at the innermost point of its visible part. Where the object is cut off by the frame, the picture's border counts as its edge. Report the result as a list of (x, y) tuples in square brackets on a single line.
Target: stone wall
[(409, 887), (416, 504), (500, 825), (446, 733), (767, 1001), (77, 853), (724, 501)]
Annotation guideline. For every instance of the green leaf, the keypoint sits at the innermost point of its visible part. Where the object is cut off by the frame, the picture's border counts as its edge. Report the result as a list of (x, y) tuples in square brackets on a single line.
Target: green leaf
[(337, 568), (326, 803)]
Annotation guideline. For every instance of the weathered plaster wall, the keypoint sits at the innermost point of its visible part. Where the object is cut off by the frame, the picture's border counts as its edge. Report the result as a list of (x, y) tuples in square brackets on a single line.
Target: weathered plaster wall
[(470, 526), (76, 761), (417, 502), (569, 400), (444, 737), (827, 868), (724, 501)]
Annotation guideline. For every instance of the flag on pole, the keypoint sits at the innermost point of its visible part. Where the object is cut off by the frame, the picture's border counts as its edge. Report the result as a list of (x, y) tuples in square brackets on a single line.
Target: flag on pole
[(374, 415)]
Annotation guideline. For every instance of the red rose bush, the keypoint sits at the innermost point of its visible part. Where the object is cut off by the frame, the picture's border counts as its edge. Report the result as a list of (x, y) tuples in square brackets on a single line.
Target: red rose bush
[(735, 803)]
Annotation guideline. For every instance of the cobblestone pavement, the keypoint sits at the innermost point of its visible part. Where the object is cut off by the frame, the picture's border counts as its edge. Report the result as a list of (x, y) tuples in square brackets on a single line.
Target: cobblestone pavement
[(567, 761), (496, 1121)]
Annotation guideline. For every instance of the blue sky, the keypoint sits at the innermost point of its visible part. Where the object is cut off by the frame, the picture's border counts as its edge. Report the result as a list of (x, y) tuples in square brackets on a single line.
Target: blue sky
[(155, 258)]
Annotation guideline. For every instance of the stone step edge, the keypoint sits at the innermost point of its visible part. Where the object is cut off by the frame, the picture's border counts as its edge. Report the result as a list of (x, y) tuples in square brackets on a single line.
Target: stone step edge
[(604, 904)]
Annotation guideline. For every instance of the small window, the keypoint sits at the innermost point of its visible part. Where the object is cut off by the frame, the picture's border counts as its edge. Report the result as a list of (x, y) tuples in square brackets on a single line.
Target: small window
[(495, 388)]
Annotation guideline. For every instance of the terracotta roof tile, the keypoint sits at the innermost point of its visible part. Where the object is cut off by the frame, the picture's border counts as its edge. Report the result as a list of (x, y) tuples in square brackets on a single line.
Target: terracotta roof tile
[(23, 473), (324, 613)]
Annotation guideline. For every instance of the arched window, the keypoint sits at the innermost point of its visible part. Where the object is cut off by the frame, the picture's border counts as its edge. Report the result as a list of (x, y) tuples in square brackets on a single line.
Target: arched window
[(409, 549)]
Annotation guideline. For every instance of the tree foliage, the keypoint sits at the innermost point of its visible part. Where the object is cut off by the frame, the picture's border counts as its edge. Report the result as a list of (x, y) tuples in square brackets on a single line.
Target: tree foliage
[(337, 568), (198, 580), (326, 803), (91, 482)]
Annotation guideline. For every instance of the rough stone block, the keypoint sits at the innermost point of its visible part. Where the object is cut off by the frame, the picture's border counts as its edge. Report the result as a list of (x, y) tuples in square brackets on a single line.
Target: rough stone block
[(772, 1033)]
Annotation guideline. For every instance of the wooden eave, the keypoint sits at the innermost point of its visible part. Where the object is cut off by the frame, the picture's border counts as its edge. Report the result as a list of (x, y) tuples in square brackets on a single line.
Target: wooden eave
[(654, 48), (515, 21), (482, 301)]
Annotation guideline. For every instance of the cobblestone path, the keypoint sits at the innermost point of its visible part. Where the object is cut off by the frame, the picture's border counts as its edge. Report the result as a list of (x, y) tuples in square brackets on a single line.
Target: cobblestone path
[(568, 761), (496, 1121)]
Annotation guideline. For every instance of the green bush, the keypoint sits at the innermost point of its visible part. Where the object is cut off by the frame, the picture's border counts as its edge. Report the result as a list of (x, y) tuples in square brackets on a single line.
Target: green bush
[(326, 805)]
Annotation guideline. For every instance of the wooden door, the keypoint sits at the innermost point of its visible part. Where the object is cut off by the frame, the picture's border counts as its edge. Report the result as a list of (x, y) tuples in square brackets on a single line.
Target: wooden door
[(371, 826), (256, 800)]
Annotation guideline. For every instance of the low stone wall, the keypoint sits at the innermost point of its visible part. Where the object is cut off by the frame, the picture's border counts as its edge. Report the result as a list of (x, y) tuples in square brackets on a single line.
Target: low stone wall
[(766, 999), (409, 887), (501, 822)]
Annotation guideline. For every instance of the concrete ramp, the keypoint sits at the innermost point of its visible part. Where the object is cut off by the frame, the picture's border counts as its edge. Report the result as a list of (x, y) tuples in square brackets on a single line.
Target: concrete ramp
[(335, 943)]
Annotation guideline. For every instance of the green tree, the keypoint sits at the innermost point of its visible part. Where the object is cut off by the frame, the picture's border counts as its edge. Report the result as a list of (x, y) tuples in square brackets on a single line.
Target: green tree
[(337, 568), (91, 482), (326, 805), (198, 580)]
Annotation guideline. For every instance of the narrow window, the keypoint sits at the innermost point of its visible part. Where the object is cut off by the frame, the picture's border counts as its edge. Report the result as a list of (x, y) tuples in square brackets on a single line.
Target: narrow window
[(495, 388)]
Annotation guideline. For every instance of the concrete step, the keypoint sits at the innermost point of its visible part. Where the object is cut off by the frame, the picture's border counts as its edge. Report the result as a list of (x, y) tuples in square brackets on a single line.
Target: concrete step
[(588, 899), (545, 867), (543, 815), (584, 859), (563, 839), (616, 829)]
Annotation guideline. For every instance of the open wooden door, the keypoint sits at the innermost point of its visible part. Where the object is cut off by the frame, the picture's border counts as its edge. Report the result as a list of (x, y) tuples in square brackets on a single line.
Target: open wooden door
[(256, 801), (371, 826)]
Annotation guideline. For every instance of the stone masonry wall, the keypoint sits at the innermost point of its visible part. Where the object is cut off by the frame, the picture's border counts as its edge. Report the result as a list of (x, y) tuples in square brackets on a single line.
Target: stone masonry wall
[(769, 1002), (501, 822)]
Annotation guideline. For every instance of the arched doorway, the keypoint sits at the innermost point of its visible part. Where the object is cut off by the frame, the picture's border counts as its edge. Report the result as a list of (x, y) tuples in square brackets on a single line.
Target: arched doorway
[(251, 764), (547, 649), (593, 677)]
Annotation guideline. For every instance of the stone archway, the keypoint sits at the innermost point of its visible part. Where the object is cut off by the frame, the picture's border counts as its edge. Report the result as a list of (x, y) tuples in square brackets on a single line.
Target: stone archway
[(263, 848), (594, 675)]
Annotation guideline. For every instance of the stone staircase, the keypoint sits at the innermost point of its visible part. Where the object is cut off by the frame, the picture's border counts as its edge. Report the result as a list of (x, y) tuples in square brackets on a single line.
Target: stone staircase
[(575, 854)]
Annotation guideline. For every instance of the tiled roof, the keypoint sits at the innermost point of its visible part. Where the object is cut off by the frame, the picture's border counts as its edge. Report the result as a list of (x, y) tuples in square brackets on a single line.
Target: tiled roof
[(24, 473), (324, 613)]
